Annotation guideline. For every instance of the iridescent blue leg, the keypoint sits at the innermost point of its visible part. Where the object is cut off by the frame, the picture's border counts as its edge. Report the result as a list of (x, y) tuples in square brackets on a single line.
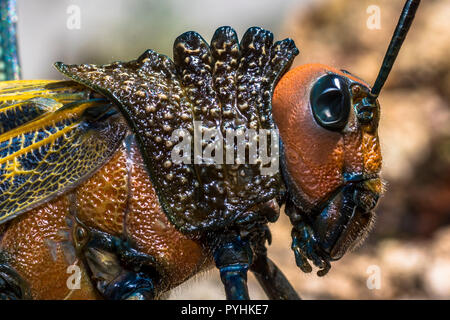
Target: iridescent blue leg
[(9, 58), (305, 247), (130, 286), (233, 256), (117, 270)]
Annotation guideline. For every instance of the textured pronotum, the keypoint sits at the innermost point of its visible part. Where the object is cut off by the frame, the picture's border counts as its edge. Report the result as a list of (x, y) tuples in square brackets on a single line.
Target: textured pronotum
[(226, 85)]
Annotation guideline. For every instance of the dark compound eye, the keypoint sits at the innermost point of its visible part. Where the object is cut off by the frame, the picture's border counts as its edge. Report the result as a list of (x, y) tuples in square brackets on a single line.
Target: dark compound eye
[(330, 102)]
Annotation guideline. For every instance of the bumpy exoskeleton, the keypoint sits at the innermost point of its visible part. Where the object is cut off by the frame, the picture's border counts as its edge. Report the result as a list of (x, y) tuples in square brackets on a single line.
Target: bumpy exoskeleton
[(113, 198), (226, 87), (136, 176)]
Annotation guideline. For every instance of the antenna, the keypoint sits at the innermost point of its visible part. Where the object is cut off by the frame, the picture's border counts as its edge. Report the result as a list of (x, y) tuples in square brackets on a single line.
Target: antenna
[(8, 41), (405, 21)]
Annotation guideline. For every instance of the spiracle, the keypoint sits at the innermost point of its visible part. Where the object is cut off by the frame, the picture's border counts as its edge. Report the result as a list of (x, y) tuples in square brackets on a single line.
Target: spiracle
[(226, 86)]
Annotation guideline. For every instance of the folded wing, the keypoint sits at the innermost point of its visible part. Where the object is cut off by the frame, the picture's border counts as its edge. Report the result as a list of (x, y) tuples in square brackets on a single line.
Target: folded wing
[(53, 136)]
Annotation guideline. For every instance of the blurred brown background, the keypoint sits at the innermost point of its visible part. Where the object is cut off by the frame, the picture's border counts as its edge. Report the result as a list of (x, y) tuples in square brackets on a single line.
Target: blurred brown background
[(410, 245)]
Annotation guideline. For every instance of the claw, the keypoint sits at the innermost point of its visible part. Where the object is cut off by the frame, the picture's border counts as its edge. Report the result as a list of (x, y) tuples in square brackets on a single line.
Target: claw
[(301, 260), (311, 249), (325, 269), (305, 248), (318, 262)]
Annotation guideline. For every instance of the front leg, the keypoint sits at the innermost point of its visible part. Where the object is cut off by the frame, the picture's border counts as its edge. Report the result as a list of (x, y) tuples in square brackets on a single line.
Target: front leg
[(118, 271), (272, 280), (12, 286), (233, 256), (306, 247)]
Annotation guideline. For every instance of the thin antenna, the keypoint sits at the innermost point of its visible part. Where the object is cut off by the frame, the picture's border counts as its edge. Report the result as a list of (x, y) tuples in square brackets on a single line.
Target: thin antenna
[(405, 21), (8, 41)]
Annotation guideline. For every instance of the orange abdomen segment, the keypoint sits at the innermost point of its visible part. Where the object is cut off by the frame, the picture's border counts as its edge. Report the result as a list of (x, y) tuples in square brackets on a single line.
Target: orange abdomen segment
[(39, 247), (121, 200), (148, 226), (118, 199), (101, 202)]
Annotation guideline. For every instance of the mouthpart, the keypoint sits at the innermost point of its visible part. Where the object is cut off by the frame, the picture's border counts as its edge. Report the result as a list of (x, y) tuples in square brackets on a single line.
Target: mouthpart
[(351, 210)]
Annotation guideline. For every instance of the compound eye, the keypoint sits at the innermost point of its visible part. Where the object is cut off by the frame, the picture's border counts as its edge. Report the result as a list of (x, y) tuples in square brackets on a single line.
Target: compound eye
[(330, 102)]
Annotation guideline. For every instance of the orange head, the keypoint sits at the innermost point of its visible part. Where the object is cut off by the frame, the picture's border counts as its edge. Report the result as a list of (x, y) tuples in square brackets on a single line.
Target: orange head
[(331, 158), (329, 144)]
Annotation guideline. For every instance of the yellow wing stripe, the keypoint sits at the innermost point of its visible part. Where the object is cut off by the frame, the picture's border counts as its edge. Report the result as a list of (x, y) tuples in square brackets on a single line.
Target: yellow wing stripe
[(47, 120), (54, 152), (14, 169), (24, 101), (24, 90), (20, 106)]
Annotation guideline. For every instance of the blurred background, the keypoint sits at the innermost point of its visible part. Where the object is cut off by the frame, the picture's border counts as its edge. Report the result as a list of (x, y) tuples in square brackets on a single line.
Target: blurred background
[(408, 252)]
